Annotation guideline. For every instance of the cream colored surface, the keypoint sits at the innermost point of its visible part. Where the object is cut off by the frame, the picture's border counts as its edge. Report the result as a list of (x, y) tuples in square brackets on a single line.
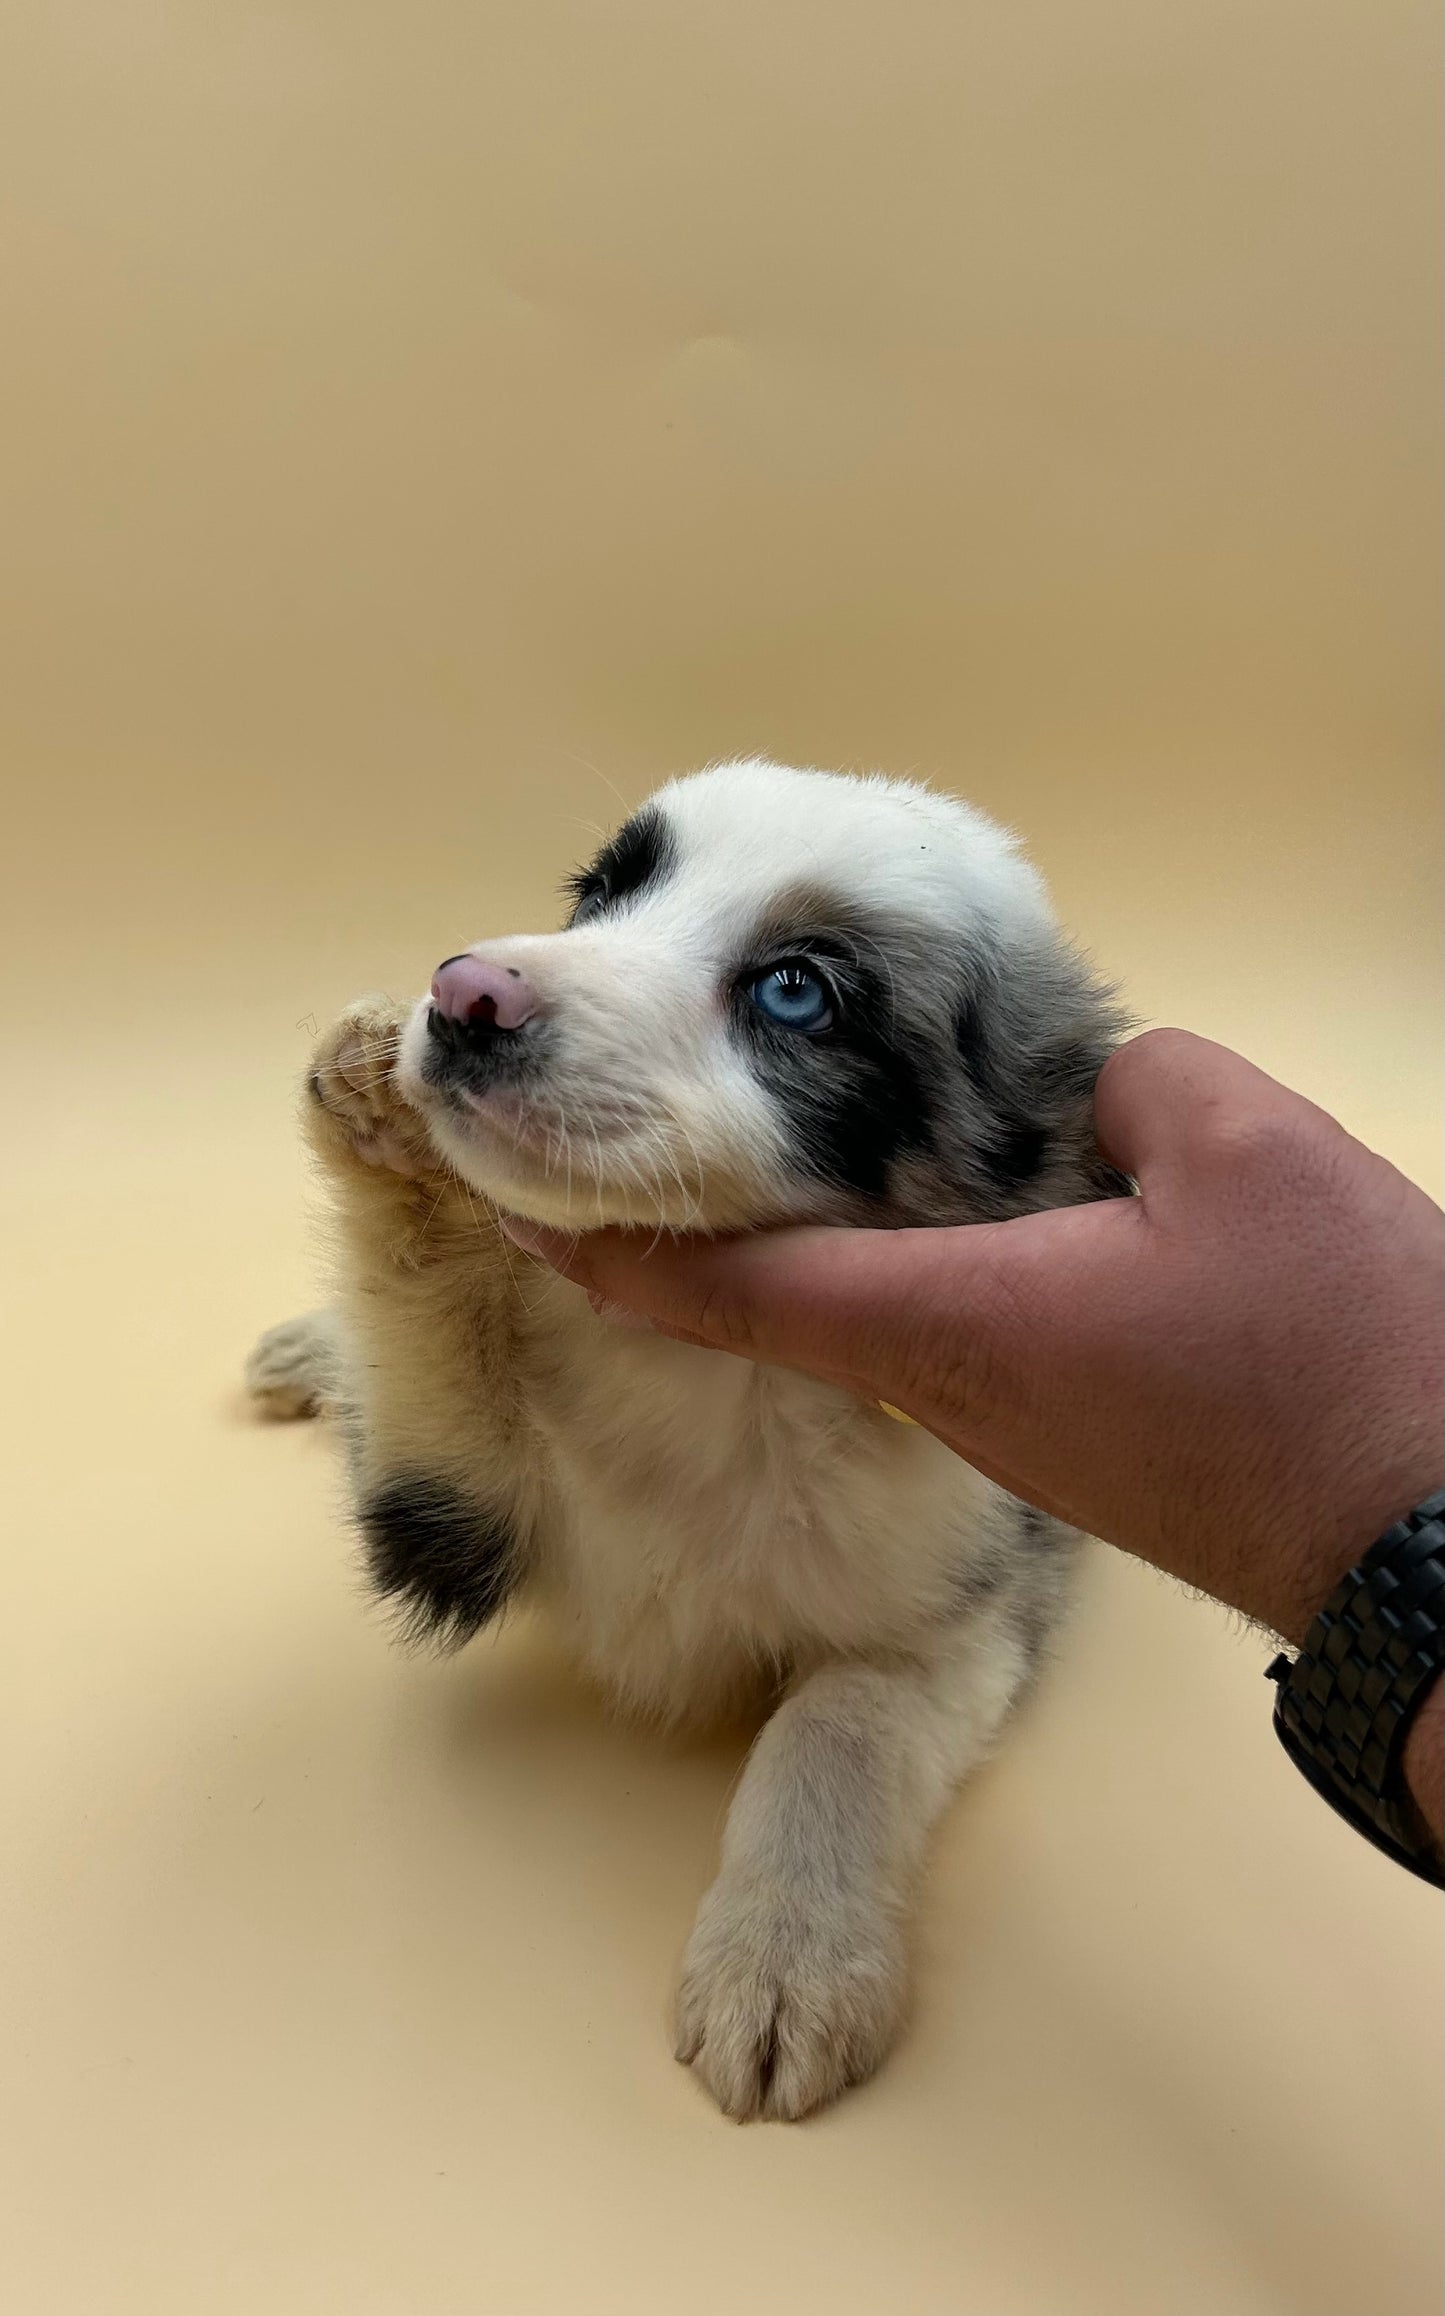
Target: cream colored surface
[(424, 429)]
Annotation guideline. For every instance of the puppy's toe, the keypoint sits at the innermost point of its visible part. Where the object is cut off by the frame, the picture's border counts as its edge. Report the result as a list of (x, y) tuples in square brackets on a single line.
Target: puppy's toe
[(353, 1062)]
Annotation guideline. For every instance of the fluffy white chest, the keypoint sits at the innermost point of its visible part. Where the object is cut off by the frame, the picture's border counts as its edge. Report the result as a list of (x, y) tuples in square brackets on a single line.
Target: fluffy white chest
[(711, 1520)]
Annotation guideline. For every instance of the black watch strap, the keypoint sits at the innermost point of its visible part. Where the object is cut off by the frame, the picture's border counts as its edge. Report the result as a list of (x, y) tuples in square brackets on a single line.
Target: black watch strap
[(1344, 1704)]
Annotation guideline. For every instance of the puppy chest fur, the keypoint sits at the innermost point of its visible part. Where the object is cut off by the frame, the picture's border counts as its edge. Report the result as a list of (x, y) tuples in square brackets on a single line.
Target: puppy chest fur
[(779, 997), (719, 1525)]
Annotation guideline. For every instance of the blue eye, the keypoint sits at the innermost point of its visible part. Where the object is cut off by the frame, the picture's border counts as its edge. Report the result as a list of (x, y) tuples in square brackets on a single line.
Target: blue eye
[(793, 997)]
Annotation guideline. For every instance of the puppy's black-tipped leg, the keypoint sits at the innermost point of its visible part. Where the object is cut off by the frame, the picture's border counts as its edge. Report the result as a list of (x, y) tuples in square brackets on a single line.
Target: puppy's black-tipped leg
[(447, 1563)]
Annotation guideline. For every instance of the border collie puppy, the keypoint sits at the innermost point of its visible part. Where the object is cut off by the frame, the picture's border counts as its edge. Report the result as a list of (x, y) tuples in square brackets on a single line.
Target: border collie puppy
[(780, 997)]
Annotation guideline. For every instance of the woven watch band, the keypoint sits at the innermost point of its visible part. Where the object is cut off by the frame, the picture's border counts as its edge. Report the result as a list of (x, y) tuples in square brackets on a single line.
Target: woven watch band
[(1344, 1704)]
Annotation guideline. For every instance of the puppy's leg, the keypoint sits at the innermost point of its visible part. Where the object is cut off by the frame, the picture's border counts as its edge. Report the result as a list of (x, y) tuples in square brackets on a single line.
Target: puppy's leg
[(430, 1324), (296, 1368), (794, 1979)]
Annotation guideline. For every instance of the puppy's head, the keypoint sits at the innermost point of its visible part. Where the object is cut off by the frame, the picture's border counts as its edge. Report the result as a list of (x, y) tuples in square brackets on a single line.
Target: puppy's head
[(779, 996)]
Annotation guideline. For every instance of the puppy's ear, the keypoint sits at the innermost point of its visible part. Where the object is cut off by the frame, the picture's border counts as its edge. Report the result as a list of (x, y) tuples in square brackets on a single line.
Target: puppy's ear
[(1033, 1033)]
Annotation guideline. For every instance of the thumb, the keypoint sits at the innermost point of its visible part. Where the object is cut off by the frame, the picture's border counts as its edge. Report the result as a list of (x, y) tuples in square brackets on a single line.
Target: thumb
[(1161, 1096)]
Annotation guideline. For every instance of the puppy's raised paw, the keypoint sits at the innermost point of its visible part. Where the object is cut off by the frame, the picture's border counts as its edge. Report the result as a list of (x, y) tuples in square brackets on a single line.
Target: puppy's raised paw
[(352, 1085), (787, 2000)]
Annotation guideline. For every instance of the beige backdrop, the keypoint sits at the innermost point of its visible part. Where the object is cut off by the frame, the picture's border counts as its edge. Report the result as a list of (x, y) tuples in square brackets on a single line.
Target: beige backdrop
[(425, 427)]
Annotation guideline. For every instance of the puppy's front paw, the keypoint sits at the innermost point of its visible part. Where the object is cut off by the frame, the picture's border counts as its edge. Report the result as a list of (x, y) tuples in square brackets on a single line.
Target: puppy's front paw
[(786, 1999), (353, 1087)]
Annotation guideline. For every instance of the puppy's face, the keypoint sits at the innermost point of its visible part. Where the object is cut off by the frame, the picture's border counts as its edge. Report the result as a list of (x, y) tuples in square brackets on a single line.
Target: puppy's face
[(780, 996)]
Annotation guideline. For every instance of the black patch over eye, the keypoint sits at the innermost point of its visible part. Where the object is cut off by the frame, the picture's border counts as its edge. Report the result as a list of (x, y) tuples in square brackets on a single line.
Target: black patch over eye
[(640, 854), (824, 1039)]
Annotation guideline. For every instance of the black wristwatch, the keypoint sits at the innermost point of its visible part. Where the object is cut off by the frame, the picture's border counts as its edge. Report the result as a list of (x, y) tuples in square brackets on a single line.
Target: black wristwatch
[(1345, 1703)]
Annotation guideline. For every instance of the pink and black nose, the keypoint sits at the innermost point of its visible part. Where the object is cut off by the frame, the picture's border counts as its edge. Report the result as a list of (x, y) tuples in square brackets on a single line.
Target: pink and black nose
[(476, 1001)]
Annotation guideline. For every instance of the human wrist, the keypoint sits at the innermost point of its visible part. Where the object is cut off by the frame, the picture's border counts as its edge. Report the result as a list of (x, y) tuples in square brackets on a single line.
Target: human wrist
[(1360, 1510)]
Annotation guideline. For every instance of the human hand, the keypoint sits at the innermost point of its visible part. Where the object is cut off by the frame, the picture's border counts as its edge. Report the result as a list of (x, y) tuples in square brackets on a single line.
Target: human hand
[(1238, 1375)]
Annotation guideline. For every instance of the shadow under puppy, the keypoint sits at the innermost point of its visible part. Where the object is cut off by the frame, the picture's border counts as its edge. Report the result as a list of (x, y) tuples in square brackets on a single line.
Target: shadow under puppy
[(780, 997)]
